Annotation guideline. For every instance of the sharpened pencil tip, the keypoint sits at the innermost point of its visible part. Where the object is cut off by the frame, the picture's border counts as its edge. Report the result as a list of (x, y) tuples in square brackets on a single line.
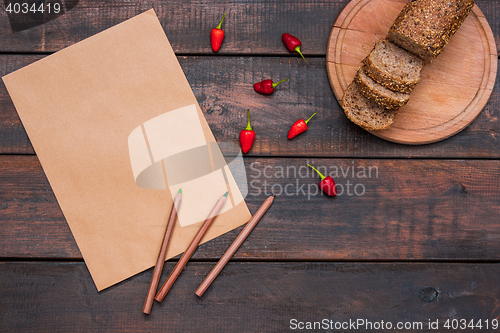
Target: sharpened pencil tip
[(227, 192), (180, 190)]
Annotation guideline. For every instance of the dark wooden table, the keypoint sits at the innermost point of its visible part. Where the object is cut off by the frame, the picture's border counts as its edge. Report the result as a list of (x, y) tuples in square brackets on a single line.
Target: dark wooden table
[(417, 240)]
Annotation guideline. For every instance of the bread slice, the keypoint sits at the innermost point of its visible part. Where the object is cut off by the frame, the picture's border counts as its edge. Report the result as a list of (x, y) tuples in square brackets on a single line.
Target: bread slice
[(393, 67), (424, 27), (365, 112), (381, 95)]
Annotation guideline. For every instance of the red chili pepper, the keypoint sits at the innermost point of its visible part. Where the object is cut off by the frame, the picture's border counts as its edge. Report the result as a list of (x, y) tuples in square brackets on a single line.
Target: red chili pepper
[(327, 184), (247, 137), (299, 127), (292, 43), (217, 36), (266, 87)]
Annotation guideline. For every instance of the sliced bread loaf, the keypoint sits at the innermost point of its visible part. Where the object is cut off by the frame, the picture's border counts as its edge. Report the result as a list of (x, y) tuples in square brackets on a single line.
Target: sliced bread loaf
[(381, 95), (365, 112), (393, 67), (424, 27)]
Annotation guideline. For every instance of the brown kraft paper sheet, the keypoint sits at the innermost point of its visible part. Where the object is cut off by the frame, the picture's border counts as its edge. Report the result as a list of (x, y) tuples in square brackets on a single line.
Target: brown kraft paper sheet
[(108, 118)]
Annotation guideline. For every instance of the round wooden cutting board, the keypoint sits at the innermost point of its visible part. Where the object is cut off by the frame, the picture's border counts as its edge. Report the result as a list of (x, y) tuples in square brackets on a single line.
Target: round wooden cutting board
[(454, 87)]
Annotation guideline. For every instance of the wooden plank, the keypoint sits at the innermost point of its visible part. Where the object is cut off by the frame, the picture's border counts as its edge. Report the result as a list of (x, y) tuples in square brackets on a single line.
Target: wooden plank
[(225, 91), (252, 27), (251, 297), (385, 210), (13, 137)]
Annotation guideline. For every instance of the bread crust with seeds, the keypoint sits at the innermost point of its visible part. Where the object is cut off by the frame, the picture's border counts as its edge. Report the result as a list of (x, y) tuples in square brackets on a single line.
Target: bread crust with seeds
[(381, 95), (424, 27), (365, 112), (393, 67)]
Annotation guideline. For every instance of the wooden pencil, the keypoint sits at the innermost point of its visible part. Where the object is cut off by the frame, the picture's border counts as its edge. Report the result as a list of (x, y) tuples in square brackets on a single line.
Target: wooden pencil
[(236, 244), (190, 250), (161, 256)]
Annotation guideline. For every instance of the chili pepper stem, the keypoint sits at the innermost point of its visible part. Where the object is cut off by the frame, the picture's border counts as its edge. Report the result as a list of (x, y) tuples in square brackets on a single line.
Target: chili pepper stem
[(220, 23), (310, 118), (248, 128), (319, 173), (275, 84), (298, 50)]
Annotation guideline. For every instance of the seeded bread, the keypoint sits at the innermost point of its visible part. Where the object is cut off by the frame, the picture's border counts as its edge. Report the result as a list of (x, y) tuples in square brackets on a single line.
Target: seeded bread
[(365, 112), (384, 97), (424, 27), (393, 67)]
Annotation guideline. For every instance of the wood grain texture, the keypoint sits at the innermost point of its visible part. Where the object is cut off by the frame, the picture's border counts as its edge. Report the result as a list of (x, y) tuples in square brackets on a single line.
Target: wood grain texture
[(416, 209), (247, 297), (13, 137), (252, 27), (454, 87), (385, 210), (223, 88)]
